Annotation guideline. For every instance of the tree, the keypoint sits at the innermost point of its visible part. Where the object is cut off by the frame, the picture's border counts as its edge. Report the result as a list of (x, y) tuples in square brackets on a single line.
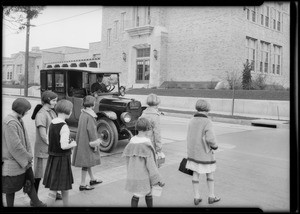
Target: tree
[(16, 15), (246, 77)]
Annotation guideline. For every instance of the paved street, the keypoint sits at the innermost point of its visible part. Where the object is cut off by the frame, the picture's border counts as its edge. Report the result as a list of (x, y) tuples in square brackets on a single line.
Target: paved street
[(252, 169)]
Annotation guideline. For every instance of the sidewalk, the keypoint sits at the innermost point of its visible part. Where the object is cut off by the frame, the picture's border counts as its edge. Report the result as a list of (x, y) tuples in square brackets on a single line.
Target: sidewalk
[(244, 178)]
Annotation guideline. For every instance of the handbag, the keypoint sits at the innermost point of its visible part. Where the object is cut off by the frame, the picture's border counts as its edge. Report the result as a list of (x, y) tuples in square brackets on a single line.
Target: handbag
[(28, 180), (183, 169)]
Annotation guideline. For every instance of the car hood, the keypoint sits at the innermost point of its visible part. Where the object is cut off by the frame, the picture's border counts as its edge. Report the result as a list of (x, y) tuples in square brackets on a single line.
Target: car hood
[(116, 101)]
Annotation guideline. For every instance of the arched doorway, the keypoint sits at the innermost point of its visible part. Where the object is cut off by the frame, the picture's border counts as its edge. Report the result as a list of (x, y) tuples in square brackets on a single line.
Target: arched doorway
[(73, 65), (56, 66), (49, 66), (65, 65)]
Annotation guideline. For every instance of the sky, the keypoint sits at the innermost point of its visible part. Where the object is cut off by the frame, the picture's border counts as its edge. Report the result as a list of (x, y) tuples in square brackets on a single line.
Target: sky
[(74, 26)]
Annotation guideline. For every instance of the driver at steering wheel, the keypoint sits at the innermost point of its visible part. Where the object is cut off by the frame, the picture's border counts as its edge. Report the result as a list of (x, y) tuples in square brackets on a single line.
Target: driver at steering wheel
[(99, 86)]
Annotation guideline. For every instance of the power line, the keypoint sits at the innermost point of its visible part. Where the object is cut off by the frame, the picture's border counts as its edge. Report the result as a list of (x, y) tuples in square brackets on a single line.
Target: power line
[(66, 18), (58, 20)]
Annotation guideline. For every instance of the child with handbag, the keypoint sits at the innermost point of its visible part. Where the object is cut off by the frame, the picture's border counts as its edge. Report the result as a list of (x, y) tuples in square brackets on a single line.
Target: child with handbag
[(201, 142), (142, 171), (17, 155), (87, 153), (58, 173)]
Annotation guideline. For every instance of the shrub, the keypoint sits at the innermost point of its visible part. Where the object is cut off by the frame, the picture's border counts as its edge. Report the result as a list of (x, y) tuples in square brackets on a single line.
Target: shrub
[(275, 87), (246, 77), (211, 85), (259, 83), (233, 78)]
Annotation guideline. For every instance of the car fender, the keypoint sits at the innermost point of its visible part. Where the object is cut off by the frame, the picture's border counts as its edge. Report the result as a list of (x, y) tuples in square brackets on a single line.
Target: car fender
[(109, 114)]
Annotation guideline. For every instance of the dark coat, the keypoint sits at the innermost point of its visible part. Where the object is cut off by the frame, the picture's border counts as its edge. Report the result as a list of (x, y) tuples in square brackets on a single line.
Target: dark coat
[(83, 154)]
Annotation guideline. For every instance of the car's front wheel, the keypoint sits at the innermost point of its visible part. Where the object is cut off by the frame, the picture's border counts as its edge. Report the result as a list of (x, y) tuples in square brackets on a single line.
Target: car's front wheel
[(107, 131)]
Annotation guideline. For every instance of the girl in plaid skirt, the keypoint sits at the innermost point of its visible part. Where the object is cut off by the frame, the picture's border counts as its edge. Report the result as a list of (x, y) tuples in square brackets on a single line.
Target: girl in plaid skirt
[(58, 173)]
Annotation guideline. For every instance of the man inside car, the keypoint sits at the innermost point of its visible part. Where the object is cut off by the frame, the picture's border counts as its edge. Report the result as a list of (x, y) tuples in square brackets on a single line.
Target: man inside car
[(98, 87)]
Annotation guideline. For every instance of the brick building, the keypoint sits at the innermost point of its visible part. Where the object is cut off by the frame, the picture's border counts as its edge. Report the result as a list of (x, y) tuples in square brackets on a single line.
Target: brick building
[(152, 45), (13, 68)]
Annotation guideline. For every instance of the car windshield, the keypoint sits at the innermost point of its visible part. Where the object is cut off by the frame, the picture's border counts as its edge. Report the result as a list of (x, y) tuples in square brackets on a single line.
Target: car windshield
[(109, 80)]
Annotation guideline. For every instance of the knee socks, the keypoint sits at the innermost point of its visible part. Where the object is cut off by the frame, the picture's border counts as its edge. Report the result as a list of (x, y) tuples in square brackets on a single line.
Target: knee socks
[(134, 201), (10, 199), (36, 184), (149, 200)]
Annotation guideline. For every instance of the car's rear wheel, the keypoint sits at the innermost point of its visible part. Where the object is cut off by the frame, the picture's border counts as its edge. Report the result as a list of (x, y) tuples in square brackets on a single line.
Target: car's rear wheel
[(107, 130)]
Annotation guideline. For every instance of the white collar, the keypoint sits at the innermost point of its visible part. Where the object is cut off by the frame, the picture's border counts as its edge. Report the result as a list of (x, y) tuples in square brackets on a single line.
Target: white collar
[(58, 120)]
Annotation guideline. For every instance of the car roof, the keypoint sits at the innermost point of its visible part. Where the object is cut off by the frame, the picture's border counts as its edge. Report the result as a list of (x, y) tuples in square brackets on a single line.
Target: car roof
[(89, 70)]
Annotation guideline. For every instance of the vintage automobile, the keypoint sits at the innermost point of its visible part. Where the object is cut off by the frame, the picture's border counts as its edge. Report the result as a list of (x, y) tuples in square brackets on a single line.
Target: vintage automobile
[(116, 115)]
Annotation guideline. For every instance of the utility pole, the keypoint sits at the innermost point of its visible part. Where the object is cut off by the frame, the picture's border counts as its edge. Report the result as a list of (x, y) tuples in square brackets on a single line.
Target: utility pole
[(26, 57), (233, 90)]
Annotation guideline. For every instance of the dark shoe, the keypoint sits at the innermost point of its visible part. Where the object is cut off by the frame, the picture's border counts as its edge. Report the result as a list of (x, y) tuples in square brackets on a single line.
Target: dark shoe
[(197, 201), (213, 200), (39, 204), (94, 182), (86, 187), (58, 196)]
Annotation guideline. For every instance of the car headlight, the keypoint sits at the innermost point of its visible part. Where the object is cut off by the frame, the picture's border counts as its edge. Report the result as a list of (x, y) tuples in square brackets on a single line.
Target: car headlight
[(125, 117)]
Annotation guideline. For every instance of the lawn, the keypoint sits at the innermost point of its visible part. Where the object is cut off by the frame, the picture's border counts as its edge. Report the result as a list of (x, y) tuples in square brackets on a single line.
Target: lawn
[(283, 95)]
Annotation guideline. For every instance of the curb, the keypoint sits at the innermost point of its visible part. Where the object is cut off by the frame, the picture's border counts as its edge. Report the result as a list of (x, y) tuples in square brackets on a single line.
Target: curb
[(240, 120), (213, 117)]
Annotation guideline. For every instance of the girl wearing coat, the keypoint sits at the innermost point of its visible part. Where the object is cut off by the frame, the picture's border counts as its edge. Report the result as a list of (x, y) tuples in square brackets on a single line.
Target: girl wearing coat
[(201, 142), (84, 155), (153, 115), (43, 120), (17, 155), (142, 171)]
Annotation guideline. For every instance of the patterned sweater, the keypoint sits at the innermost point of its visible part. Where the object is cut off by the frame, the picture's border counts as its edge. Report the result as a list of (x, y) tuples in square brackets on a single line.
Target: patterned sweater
[(142, 171)]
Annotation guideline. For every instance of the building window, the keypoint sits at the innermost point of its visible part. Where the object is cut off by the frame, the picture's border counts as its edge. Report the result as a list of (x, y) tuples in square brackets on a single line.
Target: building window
[(277, 60), (108, 37), (19, 69), (251, 52), (264, 53), (116, 29), (9, 72), (273, 17), (143, 65), (141, 16), (267, 16), (123, 17), (148, 16), (278, 20), (253, 13), (248, 13), (261, 19)]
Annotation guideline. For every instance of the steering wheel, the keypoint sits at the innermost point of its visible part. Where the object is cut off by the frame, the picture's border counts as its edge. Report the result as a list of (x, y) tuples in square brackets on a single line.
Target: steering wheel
[(110, 88)]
